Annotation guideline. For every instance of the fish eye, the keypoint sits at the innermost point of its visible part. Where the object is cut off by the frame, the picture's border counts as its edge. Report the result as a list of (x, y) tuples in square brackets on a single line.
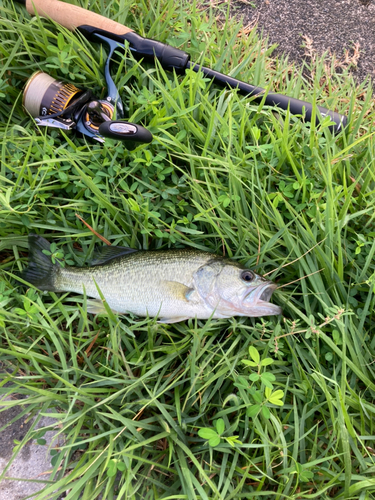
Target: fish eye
[(247, 276)]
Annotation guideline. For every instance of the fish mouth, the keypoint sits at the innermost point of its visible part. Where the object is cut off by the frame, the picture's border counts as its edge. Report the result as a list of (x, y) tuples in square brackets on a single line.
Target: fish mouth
[(257, 301), (261, 293), (267, 292)]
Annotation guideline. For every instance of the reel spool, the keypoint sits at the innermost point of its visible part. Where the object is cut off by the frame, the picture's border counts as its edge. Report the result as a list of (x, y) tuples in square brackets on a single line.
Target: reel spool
[(58, 104), (43, 95)]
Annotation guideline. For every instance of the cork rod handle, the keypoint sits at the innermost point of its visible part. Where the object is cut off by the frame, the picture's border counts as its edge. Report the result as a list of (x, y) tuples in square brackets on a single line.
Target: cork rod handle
[(70, 16)]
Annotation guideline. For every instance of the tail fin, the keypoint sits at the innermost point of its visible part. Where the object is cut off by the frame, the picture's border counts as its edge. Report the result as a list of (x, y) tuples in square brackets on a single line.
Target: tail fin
[(41, 271)]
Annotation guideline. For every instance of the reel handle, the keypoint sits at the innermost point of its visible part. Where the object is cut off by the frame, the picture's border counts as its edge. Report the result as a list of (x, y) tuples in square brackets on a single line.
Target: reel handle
[(124, 131)]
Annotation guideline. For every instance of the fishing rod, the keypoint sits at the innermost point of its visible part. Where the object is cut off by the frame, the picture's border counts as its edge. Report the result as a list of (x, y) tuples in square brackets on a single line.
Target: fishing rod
[(97, 28)]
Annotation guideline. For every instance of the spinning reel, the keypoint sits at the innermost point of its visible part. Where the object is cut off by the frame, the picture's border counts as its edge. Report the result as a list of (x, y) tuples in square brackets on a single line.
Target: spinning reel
[(53, 103)]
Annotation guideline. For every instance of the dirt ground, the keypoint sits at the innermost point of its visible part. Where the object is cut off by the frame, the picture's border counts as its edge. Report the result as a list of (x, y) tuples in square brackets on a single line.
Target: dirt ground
[(331, 25)]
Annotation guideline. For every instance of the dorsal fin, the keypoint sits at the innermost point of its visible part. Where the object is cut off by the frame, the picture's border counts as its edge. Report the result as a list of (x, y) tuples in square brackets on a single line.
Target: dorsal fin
[(107, 253)]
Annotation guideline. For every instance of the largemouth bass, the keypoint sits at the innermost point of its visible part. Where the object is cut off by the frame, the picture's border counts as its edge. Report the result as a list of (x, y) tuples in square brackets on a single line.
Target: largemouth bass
[(173, 285)]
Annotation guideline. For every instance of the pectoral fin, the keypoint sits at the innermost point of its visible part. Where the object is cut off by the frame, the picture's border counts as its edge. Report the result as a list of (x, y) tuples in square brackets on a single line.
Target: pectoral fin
[(182, 293), (179, 290)]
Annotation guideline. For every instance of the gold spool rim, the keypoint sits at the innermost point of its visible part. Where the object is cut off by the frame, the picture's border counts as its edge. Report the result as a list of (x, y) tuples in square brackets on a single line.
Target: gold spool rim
[(62, 98)]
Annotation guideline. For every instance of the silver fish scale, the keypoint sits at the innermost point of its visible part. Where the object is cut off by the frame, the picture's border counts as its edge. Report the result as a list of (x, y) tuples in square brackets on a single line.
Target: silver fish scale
[(144, 283)]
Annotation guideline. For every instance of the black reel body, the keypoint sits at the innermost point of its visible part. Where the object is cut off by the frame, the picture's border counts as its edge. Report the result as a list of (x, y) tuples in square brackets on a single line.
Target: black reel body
[(58, 104)]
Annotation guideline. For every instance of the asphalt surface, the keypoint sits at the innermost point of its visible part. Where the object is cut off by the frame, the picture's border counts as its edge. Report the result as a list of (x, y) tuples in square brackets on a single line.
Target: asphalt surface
[(332, 26)]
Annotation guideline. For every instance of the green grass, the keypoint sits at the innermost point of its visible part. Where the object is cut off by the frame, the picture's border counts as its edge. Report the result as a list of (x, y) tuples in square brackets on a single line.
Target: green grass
[(131, 396)]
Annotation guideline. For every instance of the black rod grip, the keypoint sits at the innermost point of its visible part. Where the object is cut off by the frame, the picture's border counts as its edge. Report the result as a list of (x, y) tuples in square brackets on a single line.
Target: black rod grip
[(295, 106)]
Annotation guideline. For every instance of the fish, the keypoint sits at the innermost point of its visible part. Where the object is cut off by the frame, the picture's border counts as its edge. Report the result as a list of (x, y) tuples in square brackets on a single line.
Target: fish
[(171, 285)]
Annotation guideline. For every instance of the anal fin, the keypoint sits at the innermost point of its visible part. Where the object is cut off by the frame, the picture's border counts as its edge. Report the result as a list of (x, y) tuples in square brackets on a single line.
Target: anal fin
[(96, 306), (173, 320)]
